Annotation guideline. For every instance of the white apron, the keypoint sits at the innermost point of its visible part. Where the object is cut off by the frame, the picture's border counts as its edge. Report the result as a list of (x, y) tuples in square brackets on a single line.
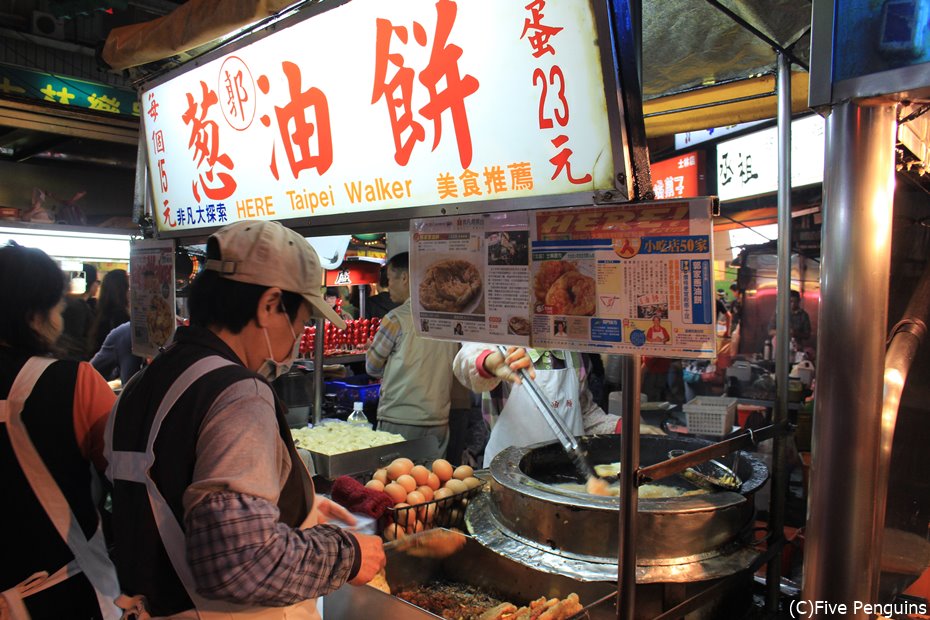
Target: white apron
[(521, 423), (135, 467), (90, 556)]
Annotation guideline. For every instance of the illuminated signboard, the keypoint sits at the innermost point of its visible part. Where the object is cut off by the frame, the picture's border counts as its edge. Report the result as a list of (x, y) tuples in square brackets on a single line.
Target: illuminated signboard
[(69, 91), (376, 106), (864, 48), (679, 177), (748, 165)]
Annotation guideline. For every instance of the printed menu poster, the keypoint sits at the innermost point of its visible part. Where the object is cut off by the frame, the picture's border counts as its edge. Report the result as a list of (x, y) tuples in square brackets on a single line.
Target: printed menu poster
[(470, 277), (151, 288), (629, 279)]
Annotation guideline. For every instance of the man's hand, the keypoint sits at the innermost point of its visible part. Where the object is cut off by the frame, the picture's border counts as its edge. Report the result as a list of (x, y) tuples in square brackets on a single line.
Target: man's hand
[(329, 510), (508, 368), (372, 550)]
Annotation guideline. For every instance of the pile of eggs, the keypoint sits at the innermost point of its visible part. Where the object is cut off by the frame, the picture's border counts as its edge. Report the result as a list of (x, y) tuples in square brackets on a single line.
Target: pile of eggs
[(417, 491)]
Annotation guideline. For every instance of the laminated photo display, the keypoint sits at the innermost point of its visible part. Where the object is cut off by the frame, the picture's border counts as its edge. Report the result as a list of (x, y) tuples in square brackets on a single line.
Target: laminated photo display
[(613, 279), (151, 295)]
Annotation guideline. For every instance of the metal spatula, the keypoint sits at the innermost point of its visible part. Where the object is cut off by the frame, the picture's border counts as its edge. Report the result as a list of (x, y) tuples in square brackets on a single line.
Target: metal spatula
[(436, 543), (559, 429)]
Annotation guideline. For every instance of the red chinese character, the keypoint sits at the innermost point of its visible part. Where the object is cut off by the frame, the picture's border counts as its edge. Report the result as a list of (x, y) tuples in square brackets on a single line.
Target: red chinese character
[(561, 162), (397, 92), (163, 175), (159, 140), (153, 107), (296, 130), (539, 40), (443, 66), (205, 140), (167, 215)]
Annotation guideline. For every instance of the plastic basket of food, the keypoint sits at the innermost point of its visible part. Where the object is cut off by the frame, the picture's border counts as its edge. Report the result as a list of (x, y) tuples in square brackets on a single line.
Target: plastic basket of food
[(710, 415), (424, 496)]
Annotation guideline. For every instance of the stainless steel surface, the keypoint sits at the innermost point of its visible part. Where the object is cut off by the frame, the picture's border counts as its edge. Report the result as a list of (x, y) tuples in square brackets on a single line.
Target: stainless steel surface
[(907, 336), (317, 412), (629, 489), (562, 432), (840, 559), (331, 466), (576, 534), (783, 333), (518, 583)]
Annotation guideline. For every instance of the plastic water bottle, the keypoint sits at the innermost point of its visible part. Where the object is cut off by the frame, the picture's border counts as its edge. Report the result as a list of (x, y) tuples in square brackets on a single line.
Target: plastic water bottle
[(358, 416)]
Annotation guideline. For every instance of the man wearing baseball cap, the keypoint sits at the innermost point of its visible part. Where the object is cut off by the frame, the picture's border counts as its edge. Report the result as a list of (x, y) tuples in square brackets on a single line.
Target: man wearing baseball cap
[(213, 509)]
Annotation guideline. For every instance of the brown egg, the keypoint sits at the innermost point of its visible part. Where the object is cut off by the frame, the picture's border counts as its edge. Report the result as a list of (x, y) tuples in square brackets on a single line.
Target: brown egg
[(442, 493), (426, 491), (393, 532), (420, 474), (443, 469), (377, 485), (456, 486), (433, 481), (415, 497), (397, 469), (416, 526), (426, 513), (463, 471), (404, 514), (380, 475), (471, 482), (396, 492), (407, 482)]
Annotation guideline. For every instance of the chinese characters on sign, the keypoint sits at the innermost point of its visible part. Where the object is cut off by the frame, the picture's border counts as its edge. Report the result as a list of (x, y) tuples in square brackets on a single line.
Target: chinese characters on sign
[(679, 177), (415, 113)]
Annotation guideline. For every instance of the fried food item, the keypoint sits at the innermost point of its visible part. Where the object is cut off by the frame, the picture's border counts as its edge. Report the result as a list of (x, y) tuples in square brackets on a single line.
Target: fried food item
[(597, 486), (518, 326), (380, 581), (500, 612), (548, 273), (450, 286), (159, 320), (573, 294)]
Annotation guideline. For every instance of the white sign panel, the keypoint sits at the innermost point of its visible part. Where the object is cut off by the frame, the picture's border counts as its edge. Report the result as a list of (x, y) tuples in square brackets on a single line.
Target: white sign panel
[(688, 139), (748, 165), (151, 286), (382, 105)]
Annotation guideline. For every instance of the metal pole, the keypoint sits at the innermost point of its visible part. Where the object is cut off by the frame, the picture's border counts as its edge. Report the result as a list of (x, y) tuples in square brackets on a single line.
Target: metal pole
[(362, 301), (840, 556), (782, 332), (318, 370), (631, 376)]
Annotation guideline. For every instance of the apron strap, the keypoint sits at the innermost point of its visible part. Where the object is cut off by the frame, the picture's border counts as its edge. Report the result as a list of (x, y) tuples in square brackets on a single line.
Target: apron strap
[(35, 583), (136, 467), (90, 555)]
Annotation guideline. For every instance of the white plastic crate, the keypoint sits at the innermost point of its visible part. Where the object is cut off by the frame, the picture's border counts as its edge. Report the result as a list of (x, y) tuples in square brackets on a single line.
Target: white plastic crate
[(710, 415)]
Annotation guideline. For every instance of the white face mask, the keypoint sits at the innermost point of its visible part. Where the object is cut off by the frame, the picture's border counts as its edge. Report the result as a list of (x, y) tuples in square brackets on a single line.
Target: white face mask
[(271, 369)]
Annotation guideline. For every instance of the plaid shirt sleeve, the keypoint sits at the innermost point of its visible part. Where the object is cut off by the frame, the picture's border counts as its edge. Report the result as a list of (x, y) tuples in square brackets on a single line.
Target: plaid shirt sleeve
[(383, 344), (238, 551)]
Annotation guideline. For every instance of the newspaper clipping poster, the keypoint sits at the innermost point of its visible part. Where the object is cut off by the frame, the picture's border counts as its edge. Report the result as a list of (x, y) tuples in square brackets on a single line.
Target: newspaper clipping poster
[(151, 286), (470, 278), (628, 279)]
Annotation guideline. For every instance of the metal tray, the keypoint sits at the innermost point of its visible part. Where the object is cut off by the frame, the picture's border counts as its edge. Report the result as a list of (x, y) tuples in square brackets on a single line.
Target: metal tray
[(331, 466), (473, 564)]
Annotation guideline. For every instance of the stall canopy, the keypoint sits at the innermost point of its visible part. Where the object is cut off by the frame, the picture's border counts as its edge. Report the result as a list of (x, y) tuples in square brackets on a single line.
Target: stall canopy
[(695, 52)]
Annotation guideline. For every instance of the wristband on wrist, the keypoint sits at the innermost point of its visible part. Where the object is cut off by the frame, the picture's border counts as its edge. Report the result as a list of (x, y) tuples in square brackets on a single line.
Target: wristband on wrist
[(479, 364)]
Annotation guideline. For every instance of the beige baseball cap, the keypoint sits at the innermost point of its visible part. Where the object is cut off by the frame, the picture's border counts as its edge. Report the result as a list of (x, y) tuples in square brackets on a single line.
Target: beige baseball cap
[(268, 254)]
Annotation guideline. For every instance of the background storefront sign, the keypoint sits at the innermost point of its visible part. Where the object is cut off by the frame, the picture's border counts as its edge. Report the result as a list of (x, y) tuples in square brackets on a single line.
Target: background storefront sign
[(430, 104), (679, 177), (72, 92), (748, 165)]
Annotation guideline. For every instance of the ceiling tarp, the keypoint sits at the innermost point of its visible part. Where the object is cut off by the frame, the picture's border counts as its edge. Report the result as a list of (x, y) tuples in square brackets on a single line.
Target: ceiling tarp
[(191, 25)]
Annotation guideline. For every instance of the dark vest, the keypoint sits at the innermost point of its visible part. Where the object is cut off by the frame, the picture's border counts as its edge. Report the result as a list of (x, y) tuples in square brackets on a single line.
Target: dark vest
[(141, 561), (32, 544)]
